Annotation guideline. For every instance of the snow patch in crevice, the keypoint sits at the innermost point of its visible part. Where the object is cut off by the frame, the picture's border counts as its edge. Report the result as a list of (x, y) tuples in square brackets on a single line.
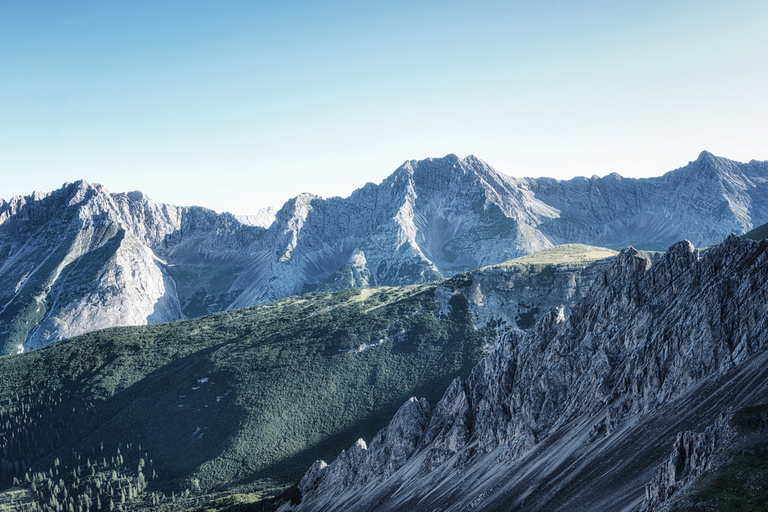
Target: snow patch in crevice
[(198, 433)]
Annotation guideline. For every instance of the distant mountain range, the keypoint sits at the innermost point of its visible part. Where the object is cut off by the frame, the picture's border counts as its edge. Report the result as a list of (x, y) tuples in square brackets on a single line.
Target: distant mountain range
[(81, 258)]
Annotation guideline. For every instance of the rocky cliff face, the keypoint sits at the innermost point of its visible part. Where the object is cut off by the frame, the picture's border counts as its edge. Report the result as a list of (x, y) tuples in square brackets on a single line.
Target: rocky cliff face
[(514, 294), (702, 202), (722, 468), (580, 411), (80, 258), (693, 454), (150, 262)]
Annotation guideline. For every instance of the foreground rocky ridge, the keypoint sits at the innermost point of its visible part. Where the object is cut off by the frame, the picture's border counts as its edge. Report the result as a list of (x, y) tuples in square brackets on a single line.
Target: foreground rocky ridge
[(579, 412), (80, 258), (722, 468)]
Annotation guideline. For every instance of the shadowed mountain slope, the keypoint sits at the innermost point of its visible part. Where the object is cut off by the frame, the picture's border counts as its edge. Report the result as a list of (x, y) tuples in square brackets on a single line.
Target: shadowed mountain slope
[(759, 233)]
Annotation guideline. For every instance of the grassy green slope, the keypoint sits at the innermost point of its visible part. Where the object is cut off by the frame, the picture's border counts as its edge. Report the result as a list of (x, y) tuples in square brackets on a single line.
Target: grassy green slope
[(562, 255), (758, 233), (249, 397)]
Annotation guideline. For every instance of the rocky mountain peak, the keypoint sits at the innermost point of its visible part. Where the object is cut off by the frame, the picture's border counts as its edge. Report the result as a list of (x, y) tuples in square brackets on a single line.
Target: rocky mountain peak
[(81, 192), (438, 172), (712, 166), (137, 195), (297, 206)]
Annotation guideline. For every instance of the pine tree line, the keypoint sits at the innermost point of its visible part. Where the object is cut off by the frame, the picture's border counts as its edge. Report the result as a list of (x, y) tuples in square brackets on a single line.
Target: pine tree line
[(92, 484)]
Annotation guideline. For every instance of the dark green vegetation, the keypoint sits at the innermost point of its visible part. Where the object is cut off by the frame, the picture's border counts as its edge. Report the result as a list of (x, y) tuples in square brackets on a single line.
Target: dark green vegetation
[(175, 414), (739, 486), (758, 233)]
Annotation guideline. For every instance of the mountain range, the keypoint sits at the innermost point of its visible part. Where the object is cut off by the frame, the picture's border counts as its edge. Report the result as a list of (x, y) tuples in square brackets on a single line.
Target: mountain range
[(81, 258)]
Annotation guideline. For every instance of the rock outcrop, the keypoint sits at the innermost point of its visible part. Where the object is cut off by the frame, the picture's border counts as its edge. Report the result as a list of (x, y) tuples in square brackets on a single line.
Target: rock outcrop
[(692, 455), (580, 411), (516, 293), (429, 220), (696, 455), (389, 450)]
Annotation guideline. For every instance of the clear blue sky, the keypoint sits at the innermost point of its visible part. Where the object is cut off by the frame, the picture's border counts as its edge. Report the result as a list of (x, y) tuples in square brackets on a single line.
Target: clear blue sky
[(238, 105)]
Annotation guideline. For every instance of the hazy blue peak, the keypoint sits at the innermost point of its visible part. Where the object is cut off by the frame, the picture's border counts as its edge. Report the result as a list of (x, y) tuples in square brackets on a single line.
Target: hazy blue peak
[(707, 160)]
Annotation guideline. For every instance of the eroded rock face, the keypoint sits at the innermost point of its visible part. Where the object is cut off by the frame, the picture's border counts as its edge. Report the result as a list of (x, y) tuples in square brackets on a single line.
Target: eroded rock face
[(429, 220), (80, 259), (692, 455), (515, 294), (652, 342), (616, 211), (389, 450), (686, 480)]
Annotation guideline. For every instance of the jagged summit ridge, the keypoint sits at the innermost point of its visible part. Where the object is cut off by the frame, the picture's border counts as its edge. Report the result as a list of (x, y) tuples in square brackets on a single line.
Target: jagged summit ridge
[(430, 219), (652, 341)]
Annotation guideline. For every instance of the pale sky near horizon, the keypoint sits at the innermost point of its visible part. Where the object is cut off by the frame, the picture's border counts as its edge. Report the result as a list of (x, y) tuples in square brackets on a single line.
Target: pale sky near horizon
[(235, 105)]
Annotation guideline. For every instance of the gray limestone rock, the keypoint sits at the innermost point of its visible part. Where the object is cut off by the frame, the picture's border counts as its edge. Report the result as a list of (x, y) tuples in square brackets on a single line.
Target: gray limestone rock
[(692, 455), (361, 464), (657, 343), (697, 459), (80, 258)]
